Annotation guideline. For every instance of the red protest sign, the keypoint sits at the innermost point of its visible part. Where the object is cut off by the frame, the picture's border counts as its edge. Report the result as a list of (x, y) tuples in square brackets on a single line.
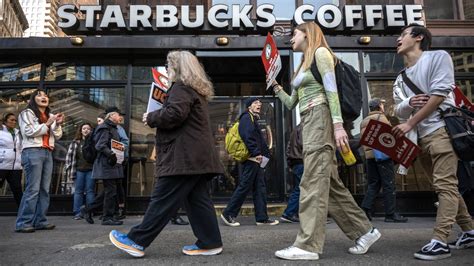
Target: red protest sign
[(378, 135), (271, 59), (461, 100), (160, 79)]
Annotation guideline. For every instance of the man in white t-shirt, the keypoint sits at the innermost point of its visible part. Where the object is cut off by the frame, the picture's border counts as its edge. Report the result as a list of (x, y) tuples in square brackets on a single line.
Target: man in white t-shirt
[(433, 73)]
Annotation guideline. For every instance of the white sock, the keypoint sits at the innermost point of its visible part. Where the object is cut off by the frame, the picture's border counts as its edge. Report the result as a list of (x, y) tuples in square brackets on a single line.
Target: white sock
[(435, 240)]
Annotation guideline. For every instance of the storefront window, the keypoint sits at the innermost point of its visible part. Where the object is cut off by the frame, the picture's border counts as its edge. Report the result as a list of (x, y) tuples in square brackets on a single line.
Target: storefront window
[(463, 61), (20, 72), (386, 62), (416, 180), (143, 73), (468, 6), (79, 105), (70, 71), (440, 9), (142, 145)]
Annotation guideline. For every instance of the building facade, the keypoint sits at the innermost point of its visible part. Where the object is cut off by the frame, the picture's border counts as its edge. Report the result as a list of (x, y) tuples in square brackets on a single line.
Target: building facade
[(114, 68), (12, 19), (42, 17)]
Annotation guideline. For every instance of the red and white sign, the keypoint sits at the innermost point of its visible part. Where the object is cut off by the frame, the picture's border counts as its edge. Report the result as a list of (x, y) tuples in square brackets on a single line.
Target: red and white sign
[(158, 91), (271, 59), (378, 135), (461, 100)]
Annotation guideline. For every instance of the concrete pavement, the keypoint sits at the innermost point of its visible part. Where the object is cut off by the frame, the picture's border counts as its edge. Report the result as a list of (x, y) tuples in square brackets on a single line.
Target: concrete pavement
[(78, 243)]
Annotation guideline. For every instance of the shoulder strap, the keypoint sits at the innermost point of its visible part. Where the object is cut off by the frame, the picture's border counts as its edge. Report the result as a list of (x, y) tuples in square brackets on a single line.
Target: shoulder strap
[(410, 84)]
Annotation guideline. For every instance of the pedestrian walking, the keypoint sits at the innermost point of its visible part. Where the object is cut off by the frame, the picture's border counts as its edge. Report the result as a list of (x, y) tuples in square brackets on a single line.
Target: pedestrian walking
[(322, 191), (185, 161), (380, 170), (120, 211), (10, 152), (433, 73), (253, 176), (107, 169), (294, 155), (77, 169), (39, 129)]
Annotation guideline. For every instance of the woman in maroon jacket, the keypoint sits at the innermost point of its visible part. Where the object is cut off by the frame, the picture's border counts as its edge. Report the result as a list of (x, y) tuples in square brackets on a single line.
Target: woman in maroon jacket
[(186, 159)]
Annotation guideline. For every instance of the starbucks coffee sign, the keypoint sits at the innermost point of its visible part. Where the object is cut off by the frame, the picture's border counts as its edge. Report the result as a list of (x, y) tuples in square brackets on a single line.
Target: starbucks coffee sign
[(172, 19)]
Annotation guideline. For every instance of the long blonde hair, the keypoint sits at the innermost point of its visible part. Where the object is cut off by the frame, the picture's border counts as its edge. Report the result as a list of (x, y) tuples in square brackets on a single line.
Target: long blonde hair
[(315, 39), (185, 67)]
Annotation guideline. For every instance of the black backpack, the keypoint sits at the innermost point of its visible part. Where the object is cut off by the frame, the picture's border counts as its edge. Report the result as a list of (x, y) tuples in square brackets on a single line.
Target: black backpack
[(88, 149), (348, 89)]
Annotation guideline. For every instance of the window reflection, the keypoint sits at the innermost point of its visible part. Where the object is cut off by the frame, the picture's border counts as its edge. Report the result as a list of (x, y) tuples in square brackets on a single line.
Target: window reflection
[(282, 10), (387, 62), (463, 61), (20, 72), (71, 71)]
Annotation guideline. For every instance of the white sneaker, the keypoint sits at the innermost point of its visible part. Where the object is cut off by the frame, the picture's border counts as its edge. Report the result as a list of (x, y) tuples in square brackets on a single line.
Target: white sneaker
[(294, 253), (364, 242)]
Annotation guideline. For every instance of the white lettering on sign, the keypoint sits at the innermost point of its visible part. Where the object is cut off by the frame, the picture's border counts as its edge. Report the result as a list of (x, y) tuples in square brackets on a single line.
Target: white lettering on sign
[(329, 16)]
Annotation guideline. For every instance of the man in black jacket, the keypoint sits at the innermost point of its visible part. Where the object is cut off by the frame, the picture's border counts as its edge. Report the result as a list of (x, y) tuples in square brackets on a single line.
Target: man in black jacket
[(252, 174)]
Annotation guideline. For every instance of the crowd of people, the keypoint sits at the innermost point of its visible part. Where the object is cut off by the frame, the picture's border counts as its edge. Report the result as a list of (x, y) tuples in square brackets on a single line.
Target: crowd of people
[(185, 163)]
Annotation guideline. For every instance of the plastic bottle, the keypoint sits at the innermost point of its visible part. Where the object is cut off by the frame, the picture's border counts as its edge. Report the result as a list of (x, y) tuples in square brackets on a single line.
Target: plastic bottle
[(348, 156)]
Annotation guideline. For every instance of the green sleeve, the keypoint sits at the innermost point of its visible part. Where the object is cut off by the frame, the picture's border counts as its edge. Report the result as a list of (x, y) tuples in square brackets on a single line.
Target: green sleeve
[(289, 101)]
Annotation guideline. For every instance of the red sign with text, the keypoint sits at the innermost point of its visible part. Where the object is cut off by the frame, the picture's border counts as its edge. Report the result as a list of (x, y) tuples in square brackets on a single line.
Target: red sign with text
[(271, 59), (378, 135), (461, 100)]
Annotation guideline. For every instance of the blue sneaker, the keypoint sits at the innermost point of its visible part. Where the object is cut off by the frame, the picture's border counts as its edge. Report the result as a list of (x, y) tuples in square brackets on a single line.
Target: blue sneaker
[(194, 250), (124, 243)]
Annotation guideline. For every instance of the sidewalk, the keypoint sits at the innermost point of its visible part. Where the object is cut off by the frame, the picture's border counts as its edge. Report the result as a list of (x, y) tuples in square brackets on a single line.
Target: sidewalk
[(78, 243)]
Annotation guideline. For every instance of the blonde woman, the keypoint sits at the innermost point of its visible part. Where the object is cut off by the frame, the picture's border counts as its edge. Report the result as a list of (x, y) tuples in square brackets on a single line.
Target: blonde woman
[(322, 191), (185, 160)]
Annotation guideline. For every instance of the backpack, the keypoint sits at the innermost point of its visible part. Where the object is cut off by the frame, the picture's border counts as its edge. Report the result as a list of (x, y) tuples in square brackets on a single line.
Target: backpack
[(234, 145), (88, 149), (461, 131), (348, 89)]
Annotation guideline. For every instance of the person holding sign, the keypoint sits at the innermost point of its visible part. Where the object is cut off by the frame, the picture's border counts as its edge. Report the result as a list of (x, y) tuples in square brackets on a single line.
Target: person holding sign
[(432, 73), (186, 159), (107, 167), (380, 170), (322, 191)]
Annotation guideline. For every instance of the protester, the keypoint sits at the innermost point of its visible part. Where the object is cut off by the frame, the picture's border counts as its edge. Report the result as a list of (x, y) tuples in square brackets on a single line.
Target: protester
[(39, 129), (100, 118), (380, 173), (10, 160), (253, 176), (186, 160), (106, 169), (294, 155), (322, 191), (76, 168), (433, 73)]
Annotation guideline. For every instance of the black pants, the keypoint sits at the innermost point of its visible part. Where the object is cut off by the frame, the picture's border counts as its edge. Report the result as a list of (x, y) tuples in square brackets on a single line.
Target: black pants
[(165, 199), (107, 200), (13, 178), (380, 174)]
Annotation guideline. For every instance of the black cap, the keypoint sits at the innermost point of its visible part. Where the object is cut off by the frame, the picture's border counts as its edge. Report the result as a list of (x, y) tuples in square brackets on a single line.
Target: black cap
[(375, 103), (113, 109), (250, 100)]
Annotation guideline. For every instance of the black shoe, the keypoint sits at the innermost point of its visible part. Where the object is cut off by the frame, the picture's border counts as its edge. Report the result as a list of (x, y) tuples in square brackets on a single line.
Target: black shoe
[(268, 222), (229, 220), (465, 240), (28, 229), (87, 215), (434, 250), (120, 215), (288, 219), (367, 213), (177, 220), (395, 218), (46, 227), (111, 221)]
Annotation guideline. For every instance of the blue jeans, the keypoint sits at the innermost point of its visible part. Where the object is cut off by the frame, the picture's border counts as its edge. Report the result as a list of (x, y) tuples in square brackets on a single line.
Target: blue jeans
[(293, 202), (83, 183), (252, 178), (38, 167)]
